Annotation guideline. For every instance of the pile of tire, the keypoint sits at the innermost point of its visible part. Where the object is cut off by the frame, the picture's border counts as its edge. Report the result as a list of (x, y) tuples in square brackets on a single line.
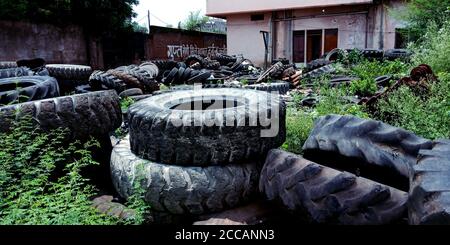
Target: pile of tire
[(186, 166), (142, 77)]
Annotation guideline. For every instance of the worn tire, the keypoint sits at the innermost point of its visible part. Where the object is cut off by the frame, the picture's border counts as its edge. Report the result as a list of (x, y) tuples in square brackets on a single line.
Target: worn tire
[(325, 195), (429, 195), (315, 64), (83, 89), (328, 69), (69, 72), (7, 64), (29, 88), (225, 59), (84, 115), (341, 80), (372, 53), (279, 87), (131, 92), (393, 54), (183, 190), (191, 59), (15, 72), (154, 135), (372, 142), (383, 80), (101, 78)]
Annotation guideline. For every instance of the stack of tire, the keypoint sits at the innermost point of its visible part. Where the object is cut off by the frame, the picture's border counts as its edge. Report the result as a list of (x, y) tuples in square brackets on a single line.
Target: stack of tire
[(129, 80), (185, 166), (19, 83)]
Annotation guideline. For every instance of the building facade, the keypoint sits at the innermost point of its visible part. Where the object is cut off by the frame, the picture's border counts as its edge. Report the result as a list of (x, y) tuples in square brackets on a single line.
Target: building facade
[(303, 30)]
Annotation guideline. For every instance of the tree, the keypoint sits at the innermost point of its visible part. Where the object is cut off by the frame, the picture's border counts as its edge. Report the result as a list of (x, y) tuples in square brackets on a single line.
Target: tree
[(96, 16), (139, 28), (195, 21), (419, 14)]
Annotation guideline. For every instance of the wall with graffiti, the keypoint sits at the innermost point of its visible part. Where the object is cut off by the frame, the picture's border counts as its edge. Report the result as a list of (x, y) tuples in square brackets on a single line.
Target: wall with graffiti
[(170, 43)]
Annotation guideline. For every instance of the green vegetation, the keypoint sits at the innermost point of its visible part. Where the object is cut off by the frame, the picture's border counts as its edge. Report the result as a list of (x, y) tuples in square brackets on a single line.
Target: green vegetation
[(427, 115), (125, 103), (194, 21)]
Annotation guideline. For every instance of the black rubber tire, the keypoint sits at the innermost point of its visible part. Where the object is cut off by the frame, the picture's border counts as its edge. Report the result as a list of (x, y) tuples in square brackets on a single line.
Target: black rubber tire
[(341, 80), (429, 189), (325, 195), (271, 72), (225, 59), (69, 72), (191, 59), (393, 54), (101, 78), (328, 69), (24, 89), (372, 142), (31, 63), (131, 92), (83, 89), (335, 52), (171, 77), (200, 78), (84, 115), (213, 65), (155, 137), (15, 72), (183, 190), (383, 80), (186, 74), (279, 87), (377, 54), (7, 64), (315, 64), (164, 65)]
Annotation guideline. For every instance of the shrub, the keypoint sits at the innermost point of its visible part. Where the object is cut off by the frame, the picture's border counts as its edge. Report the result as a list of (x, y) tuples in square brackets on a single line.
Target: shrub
[(434, 48), (427, 115), (365, 87), (299, 125), (372, 69)]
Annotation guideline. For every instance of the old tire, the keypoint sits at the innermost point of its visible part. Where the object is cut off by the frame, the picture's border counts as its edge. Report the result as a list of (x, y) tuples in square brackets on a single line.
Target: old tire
[(83, 89), (328, 69), (372, 142), (393, 54), (158, 135), (192, 59), (325, 195), (315, 64), (278, 87), (15, 72), (69, 72), (101, 78), (7, 64), (24, 89), (84, 115), (182, 190), (429, 195), (131, 92)]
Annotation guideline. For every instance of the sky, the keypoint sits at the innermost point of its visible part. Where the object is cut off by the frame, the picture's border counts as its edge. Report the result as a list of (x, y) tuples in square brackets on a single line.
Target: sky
[(163, 12)]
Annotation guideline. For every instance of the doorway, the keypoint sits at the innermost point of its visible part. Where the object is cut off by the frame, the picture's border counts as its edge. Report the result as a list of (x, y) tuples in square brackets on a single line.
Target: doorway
[(312, 44)]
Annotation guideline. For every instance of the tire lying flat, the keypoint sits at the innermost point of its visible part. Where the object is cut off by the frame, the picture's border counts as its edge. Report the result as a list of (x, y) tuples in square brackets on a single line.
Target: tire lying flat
[(29, 88), (85, 115), (325, 195), (182, 190), (206, 138)]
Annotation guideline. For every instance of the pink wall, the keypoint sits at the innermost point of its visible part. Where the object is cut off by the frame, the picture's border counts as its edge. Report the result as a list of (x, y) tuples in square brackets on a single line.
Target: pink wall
[(221, 7)]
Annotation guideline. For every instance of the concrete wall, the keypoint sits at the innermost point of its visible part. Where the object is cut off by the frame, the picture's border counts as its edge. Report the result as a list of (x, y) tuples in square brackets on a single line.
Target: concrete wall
[(165, 42), (244, 37), (21, 40)]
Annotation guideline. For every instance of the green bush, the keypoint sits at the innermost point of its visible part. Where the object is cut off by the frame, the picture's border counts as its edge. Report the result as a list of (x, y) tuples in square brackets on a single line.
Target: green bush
[(41, 181), (370, 70), (427, 115), (365, 87), (298, 126), (434, 48)]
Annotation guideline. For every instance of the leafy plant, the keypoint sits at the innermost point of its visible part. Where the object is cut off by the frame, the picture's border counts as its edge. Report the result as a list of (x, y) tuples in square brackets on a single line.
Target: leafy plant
[(365, 87), (372, 69), (125, 103), (40, 179), (299, 125), (195, 21), (427, 115)]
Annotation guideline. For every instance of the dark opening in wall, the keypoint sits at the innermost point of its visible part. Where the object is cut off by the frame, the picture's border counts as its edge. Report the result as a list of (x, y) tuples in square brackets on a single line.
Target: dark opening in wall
[(257, 17)]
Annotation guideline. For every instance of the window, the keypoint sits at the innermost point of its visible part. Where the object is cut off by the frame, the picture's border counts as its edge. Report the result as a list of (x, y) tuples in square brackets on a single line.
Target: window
[(401, 38), (312, 44), (257, 17)]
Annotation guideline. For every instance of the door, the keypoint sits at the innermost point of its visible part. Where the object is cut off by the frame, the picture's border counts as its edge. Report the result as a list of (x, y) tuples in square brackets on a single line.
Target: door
[(299, 47), (314, 45)]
